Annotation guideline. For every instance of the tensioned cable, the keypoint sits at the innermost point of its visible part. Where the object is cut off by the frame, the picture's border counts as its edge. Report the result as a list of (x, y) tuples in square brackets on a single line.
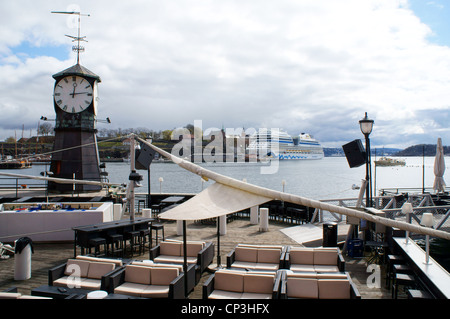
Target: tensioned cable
[(65, 180), (64, 149), (61, 180)]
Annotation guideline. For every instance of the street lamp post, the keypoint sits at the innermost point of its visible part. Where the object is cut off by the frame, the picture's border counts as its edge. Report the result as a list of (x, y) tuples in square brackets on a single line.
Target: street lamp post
[(366, 126), (160, 184), (427, 221), (407, 210)]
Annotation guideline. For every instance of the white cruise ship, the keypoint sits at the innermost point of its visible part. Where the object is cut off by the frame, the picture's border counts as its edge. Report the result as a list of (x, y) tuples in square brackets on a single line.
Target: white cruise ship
[(266, 144)]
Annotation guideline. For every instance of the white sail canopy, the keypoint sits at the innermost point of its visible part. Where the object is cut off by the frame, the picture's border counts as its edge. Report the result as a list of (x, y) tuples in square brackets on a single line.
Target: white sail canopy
[(216, 200), (269, 194)]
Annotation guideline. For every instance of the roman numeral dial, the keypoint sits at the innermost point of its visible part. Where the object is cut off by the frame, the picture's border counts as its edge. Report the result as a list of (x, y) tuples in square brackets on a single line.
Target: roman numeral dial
[(73, 94)]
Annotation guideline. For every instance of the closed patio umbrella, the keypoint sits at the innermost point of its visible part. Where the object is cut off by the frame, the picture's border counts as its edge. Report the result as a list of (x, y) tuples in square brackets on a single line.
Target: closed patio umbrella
[(439, 168)]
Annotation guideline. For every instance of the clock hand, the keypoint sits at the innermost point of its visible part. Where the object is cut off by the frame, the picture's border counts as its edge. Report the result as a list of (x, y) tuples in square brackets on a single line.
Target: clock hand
[(79, 93), (74, 87)]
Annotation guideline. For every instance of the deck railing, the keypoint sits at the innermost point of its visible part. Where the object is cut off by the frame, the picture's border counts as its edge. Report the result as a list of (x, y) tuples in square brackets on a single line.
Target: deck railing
[(392, 206)]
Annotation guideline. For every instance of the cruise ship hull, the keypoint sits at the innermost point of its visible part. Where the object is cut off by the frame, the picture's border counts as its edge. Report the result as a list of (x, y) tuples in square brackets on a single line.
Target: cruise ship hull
[(279, 145), (299, 155)]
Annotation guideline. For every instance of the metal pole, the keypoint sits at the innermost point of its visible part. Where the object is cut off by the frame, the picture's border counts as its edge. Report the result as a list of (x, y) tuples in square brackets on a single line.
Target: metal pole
[(367, 174), (149, 194), (219, 261), (423, 169), (132, 168), (185, 259), (370, 171), (427, 249)]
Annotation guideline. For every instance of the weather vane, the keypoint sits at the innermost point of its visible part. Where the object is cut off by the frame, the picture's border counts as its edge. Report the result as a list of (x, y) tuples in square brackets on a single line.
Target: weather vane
[(76, 48)]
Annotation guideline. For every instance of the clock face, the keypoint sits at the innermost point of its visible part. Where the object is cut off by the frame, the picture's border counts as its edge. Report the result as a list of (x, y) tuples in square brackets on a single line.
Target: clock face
[(73, 94)]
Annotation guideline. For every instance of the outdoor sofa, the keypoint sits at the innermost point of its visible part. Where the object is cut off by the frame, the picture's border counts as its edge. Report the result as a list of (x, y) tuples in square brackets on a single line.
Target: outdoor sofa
[(257, 257), (238, 284), (191, 270), (321, 259), (148, 282), (199, 253), (310, 285), (93, 272)]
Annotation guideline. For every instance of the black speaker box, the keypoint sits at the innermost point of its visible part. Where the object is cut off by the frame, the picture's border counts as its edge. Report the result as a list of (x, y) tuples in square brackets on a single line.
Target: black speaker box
[(355, 153), (144, 157)]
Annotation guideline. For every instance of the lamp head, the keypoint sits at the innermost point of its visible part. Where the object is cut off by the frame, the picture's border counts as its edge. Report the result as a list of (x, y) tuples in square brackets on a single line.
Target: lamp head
[(427, 220), (366, 125), (407, 208)]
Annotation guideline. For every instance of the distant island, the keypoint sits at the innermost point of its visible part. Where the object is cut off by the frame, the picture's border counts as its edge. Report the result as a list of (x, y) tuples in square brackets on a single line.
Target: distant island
[(415, 150), (113, 146), (421, 149), (338, 151)]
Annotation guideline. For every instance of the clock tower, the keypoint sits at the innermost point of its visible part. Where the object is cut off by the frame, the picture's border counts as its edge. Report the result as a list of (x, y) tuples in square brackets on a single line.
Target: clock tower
[(75, 152)]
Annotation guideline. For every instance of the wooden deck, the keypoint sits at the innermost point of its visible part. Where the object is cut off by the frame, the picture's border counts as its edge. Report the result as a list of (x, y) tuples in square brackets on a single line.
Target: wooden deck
[(46, 256)]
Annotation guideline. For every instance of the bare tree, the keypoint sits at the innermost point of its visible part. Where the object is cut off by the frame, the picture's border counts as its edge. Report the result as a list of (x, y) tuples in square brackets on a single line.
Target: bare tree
[(45, 129)]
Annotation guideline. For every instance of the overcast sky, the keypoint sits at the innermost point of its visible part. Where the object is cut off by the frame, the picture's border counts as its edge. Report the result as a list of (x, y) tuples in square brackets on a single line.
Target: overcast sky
[(300, 65)]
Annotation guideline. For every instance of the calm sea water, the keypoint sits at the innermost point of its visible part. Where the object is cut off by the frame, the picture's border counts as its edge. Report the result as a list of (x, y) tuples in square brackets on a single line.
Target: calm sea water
[(328, 178)]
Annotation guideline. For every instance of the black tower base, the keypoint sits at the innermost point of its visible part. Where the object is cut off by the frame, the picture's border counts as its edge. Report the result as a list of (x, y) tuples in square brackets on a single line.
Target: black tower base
[(75, 159)]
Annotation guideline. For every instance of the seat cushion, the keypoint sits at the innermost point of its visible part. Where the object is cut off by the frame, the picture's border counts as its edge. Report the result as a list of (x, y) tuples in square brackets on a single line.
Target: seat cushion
[(170, 248), (192, 249), (117, 262), (10, 295), (258, 283), (99, 269), (305, 274), (130, 288), (267, 266), (91, 284), (151, 263), (269, 256), (326, 268), (138, 274), (33, 297), (155, 291), (325, 257), (246, 254), (163, 276), (251, 295), (77, 268), (222, 294), (229, 281), (243, 265), (300, 255), (332, 275), (175, 259), (68, 281), (300, 267), (302, 288), (334, 289)]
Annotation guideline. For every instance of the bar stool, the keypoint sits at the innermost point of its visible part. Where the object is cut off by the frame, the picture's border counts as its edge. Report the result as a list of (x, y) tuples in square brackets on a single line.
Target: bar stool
[(401, 269), (116, 242), (135, 240), (156, 210), (391, 261), (404, 280), (96, 243), (156, 227), (418, 294), (144, 235)]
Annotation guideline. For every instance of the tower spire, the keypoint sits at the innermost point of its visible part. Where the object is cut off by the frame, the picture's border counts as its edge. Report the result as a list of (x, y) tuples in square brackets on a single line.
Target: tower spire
[(76, 48)]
